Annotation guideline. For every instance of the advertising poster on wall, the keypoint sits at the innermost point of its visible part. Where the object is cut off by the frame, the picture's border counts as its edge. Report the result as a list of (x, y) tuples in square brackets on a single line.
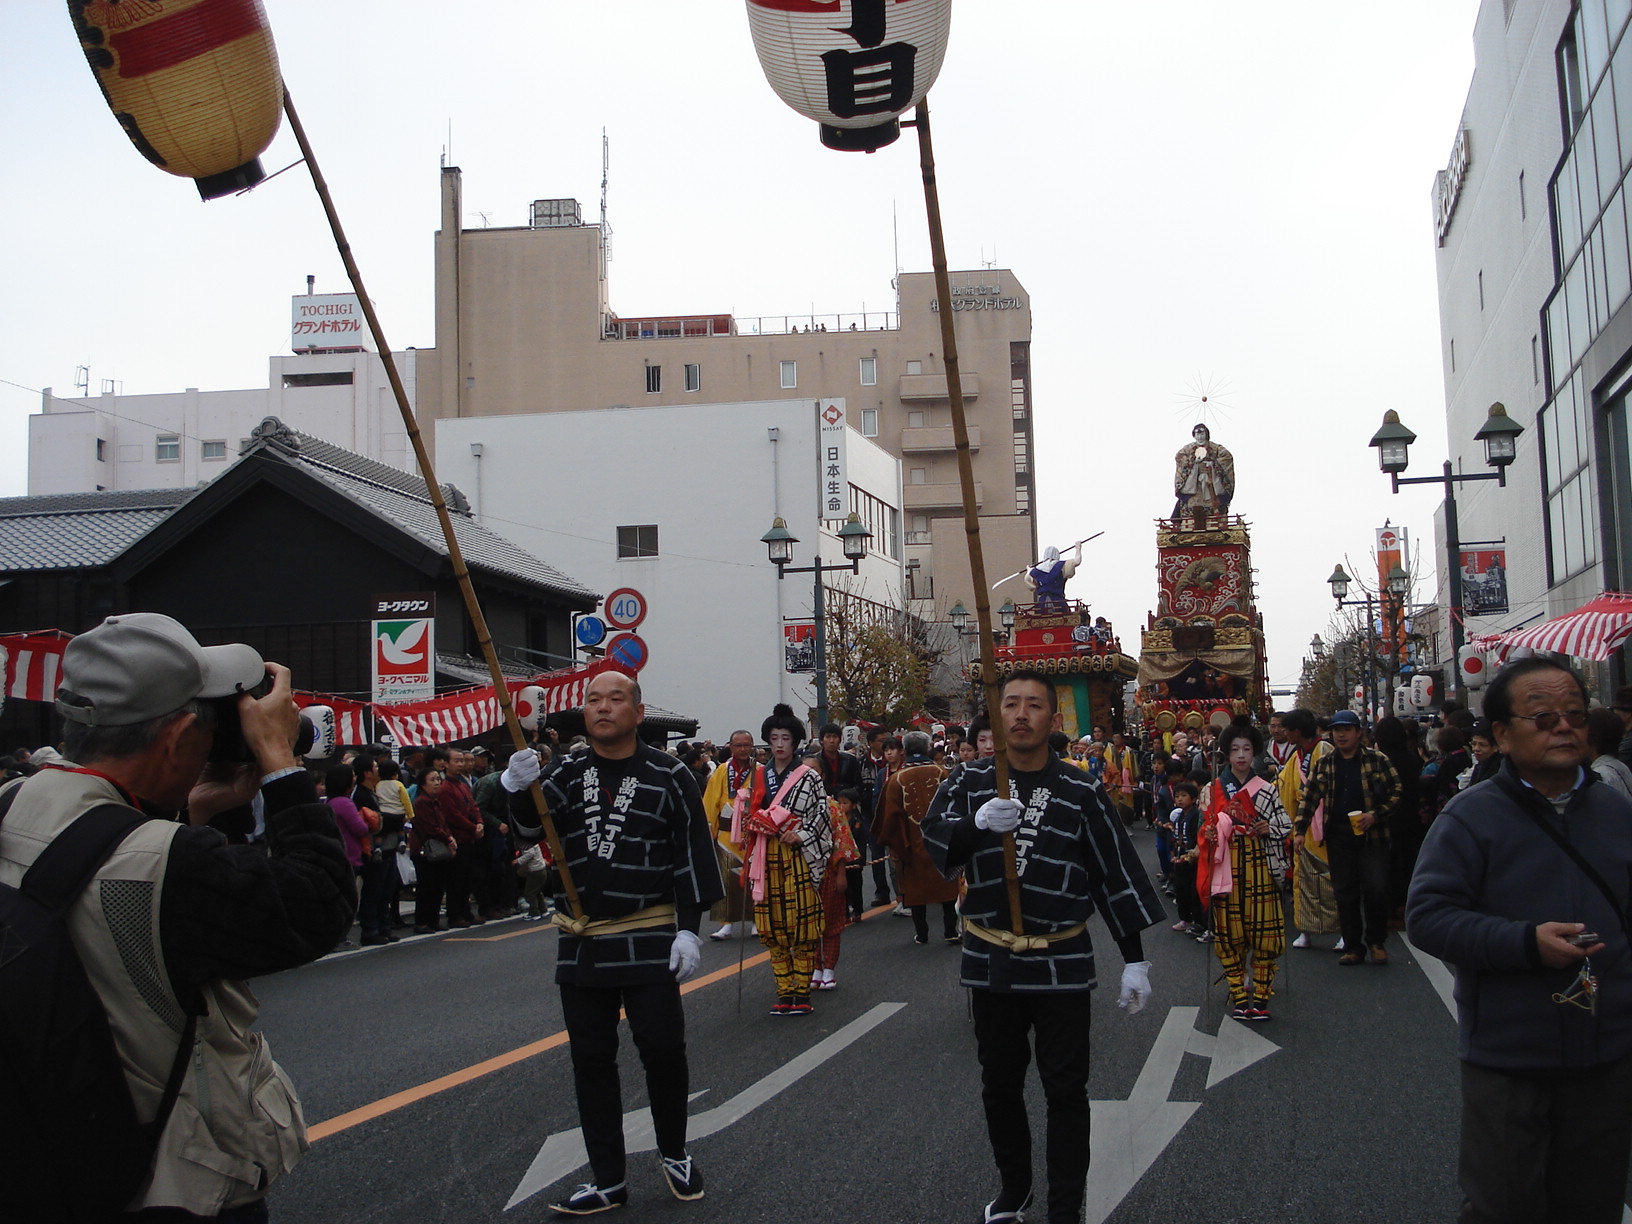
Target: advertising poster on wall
[(403, 637), (1484, 581), (799, 646)]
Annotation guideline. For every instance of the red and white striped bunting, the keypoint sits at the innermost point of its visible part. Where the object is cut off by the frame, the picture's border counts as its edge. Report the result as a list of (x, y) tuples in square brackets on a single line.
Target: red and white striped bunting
[(31, 663)]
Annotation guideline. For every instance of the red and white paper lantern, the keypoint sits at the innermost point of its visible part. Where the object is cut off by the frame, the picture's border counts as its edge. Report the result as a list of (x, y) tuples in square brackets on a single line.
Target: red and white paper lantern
[(194, 83), (528, 704), (854, 66)]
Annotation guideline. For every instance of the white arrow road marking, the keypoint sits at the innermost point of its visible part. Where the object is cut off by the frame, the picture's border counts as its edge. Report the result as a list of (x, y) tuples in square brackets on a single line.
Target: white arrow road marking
[(564, 1153), (1129, 1135)]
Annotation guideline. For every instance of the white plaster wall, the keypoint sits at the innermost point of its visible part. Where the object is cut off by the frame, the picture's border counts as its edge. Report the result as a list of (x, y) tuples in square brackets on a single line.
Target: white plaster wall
[(560, 484)]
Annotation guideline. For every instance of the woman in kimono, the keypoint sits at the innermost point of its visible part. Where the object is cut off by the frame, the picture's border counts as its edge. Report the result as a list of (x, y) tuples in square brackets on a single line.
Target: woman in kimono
[(787, 846), (1242, 862)]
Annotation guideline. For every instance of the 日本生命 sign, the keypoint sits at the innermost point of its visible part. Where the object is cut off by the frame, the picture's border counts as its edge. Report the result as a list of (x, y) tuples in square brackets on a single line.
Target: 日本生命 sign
[(833, 469), (403, 646)]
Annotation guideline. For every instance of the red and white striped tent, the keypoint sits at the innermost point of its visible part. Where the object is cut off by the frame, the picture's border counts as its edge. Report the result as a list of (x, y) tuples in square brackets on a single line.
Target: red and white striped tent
[(1595, 630)]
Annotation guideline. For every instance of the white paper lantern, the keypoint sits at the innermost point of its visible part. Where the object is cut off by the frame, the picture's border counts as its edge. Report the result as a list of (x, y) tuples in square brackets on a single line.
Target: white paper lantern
[(323, 731), (1422, 691), (529, 706), (854, 66)]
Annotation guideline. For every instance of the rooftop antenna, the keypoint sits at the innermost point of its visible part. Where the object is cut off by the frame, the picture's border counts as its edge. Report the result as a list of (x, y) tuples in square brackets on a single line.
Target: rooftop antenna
[(606, 230)]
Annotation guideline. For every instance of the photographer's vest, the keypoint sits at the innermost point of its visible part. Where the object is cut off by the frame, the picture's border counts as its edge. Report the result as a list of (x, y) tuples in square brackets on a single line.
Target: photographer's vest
[(237, 1124)]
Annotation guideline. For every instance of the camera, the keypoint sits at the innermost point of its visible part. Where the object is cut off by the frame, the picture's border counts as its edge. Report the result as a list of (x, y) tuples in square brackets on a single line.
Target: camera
[(229, 746)]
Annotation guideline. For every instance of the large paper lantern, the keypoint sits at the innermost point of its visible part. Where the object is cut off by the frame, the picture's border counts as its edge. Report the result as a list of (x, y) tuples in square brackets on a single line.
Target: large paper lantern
[(194, 83), (854, 66)]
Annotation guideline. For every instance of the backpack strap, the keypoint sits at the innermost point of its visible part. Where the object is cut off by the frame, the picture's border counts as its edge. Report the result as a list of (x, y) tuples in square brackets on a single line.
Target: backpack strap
[(62, 872)]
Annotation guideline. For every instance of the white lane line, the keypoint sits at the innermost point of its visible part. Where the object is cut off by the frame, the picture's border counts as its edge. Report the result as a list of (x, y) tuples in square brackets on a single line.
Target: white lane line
[(564, 1153)]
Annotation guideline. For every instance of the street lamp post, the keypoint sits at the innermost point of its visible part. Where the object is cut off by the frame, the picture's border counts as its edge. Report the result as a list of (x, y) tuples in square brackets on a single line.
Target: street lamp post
[(1500, 435), (1006, 615), (779, 542), (1339, 582)]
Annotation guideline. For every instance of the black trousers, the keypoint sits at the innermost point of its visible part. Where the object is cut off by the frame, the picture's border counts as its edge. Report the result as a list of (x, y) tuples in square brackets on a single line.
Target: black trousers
[(1545, 1150), (949, 920), (1006, 1026), (1360, 884), (658, 1026), (433, 882)]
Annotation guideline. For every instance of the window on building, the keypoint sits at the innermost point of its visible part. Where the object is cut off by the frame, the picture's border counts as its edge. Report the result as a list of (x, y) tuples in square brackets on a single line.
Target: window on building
[(869, 422), (213, 450), (638, 541), (1022, 453), (880, 518), (654, 379), (1568, 428), (324, 378), (915, 420), (1022, 499), (918, 476), (694, 376), (101, 450), (168, 448), (790, 375), (915, 367), (869, 371), (1535, 358), (918, 531)]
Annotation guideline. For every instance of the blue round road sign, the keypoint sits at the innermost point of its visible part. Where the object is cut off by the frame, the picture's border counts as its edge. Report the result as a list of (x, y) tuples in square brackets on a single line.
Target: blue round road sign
[(628, 650), (591, 631)]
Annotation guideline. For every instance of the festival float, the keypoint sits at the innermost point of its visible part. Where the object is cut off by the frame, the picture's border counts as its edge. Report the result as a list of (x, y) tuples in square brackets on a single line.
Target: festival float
[(1201, 655), (1062, 639)]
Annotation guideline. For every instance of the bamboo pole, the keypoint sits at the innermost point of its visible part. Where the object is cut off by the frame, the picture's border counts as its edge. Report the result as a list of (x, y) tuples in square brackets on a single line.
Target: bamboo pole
[(966, 481), (455, 556)]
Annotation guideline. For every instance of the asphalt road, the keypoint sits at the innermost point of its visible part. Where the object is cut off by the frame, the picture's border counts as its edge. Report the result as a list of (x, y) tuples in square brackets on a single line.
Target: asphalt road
[(434, 1073)]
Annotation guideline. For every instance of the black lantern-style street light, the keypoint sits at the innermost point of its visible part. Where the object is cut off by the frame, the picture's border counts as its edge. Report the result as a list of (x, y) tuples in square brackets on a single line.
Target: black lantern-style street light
[(1500, 435), (779, 542)]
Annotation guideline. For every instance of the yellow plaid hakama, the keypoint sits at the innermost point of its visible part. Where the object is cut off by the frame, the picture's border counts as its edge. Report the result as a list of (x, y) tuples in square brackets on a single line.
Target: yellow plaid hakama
[(1250, 921), (790, 918)]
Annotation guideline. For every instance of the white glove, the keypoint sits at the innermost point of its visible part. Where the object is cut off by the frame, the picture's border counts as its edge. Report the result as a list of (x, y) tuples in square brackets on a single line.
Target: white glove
[(1135, 987), (685, 955), (522, 771), (999, 815)]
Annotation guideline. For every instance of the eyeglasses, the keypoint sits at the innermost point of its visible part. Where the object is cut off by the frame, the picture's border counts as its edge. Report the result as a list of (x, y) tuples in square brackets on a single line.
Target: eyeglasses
[(1548, 719)]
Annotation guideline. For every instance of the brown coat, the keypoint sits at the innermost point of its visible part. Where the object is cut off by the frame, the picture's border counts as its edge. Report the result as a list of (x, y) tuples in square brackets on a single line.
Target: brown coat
[(906, 799)]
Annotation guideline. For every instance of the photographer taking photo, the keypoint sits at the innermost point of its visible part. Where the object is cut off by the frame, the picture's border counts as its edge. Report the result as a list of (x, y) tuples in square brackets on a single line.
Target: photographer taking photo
[(164, 734)]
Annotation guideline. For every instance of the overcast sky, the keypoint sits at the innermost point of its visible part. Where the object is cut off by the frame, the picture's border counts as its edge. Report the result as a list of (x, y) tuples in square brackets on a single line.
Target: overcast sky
[(1222, 199)]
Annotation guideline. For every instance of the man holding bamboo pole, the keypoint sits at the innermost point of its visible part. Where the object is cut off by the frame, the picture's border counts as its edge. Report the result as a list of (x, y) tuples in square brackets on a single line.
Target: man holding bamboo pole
[(1031, 978), (636, 840)]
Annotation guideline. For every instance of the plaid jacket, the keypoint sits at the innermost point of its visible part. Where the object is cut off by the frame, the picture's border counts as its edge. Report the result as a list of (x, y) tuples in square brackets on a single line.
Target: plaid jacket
[(1379, 783)]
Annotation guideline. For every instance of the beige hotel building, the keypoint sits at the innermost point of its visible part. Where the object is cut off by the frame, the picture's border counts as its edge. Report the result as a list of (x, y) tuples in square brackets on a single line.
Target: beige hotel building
[(524, 324)]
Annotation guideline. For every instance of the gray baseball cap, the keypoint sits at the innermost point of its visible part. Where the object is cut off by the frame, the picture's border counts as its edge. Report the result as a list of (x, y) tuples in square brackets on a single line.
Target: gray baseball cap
[(142, 665)]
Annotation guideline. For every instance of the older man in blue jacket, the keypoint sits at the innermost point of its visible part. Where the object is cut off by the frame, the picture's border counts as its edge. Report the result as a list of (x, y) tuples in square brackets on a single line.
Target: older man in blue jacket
[(1522, 886)]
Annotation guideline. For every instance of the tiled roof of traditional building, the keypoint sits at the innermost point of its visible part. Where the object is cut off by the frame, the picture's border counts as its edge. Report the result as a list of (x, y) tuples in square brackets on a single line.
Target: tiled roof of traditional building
[(66, 531)]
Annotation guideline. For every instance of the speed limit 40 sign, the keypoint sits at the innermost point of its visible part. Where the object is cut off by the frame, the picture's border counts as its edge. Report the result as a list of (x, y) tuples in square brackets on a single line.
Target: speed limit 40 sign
[(625, 608)]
